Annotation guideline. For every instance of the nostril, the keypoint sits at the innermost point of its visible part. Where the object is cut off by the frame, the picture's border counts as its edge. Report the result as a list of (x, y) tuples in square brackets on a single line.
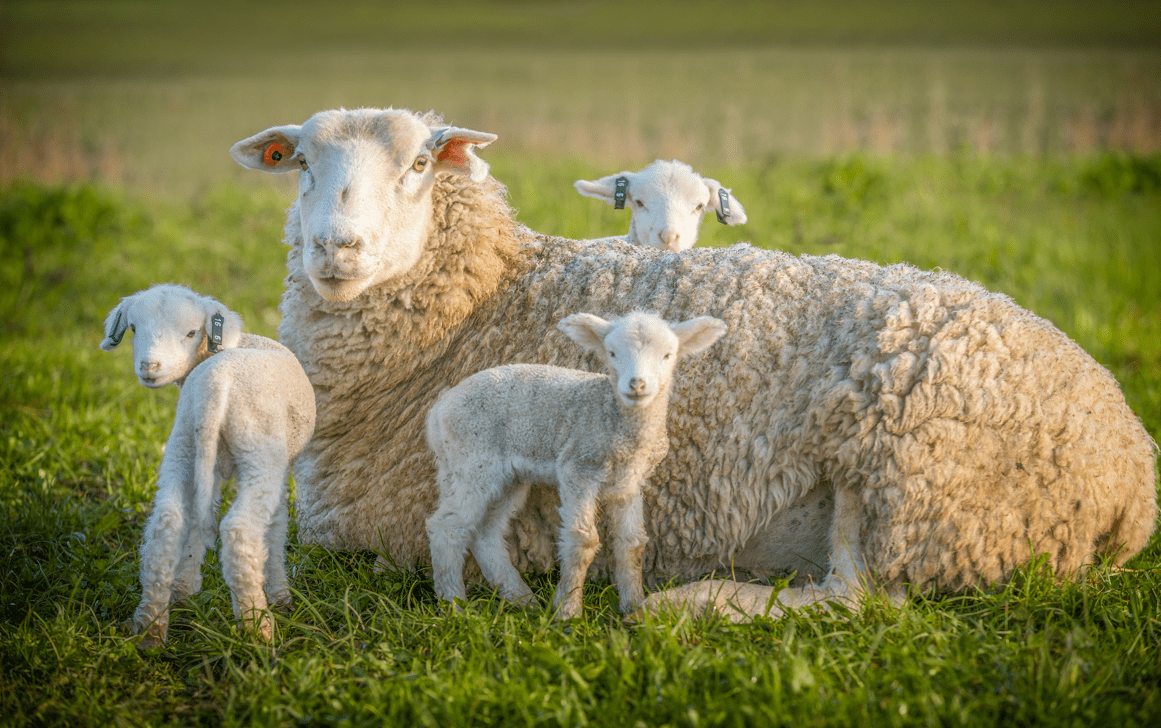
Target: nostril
[(345, 194), (637, 385), (351, 243), (150, 366)]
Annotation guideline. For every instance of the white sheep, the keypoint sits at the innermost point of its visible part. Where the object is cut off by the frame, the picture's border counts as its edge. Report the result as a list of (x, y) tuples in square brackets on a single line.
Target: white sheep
[(668, 201), (245, 411), (899, 426), (595, 437)]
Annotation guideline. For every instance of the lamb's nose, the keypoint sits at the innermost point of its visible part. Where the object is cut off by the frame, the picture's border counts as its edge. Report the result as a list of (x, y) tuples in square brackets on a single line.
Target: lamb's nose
[(150, 366), (637, 385), (669, 238)]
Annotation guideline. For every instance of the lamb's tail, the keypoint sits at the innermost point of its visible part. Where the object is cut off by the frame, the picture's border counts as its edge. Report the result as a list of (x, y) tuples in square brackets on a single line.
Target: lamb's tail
[(207, 432)]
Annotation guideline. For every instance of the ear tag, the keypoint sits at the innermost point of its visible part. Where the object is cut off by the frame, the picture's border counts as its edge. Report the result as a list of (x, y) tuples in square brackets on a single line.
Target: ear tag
[(273, 154), (116, 337), (619, 194), (724, 197), (216, 322)]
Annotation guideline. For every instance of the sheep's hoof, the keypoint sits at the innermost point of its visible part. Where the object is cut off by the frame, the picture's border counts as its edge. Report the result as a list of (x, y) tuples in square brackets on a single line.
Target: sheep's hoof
[(152, 634), (283, 604)]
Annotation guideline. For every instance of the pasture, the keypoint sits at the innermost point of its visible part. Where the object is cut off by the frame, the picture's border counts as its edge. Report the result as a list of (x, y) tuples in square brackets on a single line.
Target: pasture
[(1023, 155)]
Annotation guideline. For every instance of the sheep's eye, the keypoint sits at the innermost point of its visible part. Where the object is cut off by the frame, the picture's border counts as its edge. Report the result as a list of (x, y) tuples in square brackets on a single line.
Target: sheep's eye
[(190, 335), (133, 328), (638, 203), (699, 208), (667, 356), (612, 355), (420, 164)]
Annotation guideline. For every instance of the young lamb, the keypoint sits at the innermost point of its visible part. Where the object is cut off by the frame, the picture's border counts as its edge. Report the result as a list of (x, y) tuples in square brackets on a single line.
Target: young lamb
[(668, 201), (596, 438), (246, 410)]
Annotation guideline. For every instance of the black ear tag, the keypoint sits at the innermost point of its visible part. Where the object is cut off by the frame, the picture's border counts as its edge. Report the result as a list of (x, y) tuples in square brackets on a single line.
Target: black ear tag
[(724, 197), (619, 193), (216, 322), (116, 336)]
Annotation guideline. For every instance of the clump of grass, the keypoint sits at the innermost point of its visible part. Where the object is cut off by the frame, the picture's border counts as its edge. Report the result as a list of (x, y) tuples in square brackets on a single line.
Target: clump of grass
[(80, 442)]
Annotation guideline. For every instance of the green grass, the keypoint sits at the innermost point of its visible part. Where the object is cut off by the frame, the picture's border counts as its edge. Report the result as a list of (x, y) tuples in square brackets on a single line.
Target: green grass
[(1076, 241)]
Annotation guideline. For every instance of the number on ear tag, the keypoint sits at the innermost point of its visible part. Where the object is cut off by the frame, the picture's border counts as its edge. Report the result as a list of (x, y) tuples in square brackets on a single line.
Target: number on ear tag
[(724, 197), (216, 322), (619, 193)]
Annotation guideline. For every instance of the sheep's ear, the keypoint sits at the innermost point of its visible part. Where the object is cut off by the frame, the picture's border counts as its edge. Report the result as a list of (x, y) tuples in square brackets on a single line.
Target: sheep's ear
[(729, 210), (271, 151), (116, 324), (586, 329), (454, 150), (698, 334), (231, 325), (604, 188)]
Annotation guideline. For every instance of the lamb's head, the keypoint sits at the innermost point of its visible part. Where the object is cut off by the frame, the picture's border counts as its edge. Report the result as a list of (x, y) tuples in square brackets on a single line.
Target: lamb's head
[(668, 201), (172, 328), (364, 192), (641, 349)]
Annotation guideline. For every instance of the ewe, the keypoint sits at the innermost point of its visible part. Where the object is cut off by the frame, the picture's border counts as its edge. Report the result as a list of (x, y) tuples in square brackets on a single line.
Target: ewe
[(595, 438), (246, 410), (897, 425), (668, 201)]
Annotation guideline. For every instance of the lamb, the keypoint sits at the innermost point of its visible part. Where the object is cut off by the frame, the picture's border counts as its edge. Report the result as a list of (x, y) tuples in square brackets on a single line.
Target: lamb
[(593, 437), (668, 201), (892, 425), (246, 410)]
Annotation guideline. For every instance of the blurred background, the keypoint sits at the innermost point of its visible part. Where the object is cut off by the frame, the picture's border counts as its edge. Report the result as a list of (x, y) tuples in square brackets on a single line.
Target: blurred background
[(150, 95)]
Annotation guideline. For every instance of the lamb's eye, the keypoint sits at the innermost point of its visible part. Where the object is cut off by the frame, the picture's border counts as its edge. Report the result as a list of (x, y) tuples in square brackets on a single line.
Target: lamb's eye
[(420, 164), (133, 328), (612, 355), (639, 203), (699, 208), (667, 356), (191, 334)]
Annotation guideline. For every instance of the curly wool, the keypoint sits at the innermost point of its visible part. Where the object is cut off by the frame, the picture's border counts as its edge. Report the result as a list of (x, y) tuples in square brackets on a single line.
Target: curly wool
[(977, 433)]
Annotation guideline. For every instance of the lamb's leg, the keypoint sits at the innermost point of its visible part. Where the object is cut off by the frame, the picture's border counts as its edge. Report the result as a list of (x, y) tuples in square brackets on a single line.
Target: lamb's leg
[(166, 532), (578, 544), (491, 548), (629, 539), (259, 478), (450, 530), (277, 587), (203, 531)]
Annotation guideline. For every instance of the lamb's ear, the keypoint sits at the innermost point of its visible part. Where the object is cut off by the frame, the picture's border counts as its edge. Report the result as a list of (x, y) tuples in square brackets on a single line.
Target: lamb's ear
[(116, 324), (698, 334), (586, 329), (736, 213), (230, 322), (454, 150), (271, 151), (604, 188)]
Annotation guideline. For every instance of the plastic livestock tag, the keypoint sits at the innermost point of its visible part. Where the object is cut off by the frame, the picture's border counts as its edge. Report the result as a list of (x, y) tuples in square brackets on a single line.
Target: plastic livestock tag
[(216, 332), (273, 154), (724, 197), (619, 194)]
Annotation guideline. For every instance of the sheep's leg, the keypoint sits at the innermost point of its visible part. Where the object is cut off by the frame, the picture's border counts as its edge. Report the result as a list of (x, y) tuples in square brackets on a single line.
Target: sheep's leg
[(277, 586), (629, 539), (578, 544), (244, 545), (450, 531), (166, 532), (203, 531), (491, 548)]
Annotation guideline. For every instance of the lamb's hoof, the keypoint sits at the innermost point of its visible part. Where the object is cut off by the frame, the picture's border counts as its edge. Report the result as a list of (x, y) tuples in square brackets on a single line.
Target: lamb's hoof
[(152, 634), (282, 604)]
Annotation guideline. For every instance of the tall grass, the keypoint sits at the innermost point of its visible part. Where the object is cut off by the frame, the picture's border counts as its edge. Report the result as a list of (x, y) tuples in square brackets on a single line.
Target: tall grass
[(80, 441)]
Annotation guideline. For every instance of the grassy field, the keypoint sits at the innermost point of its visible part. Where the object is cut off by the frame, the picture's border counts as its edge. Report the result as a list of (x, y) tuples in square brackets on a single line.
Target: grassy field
[(1015, 144)]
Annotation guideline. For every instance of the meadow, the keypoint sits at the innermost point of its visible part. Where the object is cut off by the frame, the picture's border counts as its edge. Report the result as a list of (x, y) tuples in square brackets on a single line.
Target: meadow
[(1023, 155)]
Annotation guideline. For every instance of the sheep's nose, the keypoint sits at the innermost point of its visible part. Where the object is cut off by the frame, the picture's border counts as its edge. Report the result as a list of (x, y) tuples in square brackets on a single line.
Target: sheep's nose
[(149, 366), (669, 238), (637, 385), (330, 244)]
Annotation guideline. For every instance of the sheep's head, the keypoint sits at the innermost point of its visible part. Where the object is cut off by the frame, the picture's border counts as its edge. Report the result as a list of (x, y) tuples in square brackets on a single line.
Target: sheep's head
[(668, 201), (364, 192), (170, 326), (641, 349)]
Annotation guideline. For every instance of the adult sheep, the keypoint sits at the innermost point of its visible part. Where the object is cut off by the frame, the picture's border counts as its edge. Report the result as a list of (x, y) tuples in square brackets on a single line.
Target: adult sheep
[(902, 426)]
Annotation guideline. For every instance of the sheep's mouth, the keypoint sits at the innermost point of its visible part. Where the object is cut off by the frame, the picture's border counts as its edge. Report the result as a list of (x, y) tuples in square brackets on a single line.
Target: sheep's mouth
[(154, 382), (635, 399), (335, 288)]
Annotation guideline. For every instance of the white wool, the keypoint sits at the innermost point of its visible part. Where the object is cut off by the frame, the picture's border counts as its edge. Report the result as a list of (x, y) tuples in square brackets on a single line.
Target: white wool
[(890, 425), (667, 201), (594, 438), (246, 410)]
